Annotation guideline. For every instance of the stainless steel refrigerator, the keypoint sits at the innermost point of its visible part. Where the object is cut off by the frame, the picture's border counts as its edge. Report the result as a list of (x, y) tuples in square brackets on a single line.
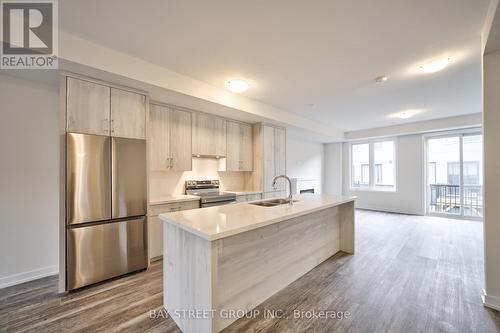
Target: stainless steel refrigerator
[(106, 226)]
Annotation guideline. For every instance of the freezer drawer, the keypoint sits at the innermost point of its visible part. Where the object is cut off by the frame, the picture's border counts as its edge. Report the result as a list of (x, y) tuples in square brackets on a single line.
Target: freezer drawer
[(128, 161), (99, 252), (88, 183)]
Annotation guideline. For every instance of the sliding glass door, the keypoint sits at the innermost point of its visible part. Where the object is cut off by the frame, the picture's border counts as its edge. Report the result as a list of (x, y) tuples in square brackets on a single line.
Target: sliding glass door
[(454, 175)]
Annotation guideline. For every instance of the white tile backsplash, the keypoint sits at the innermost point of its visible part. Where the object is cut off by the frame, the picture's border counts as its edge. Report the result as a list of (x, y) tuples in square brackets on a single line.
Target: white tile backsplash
[(164, 183)]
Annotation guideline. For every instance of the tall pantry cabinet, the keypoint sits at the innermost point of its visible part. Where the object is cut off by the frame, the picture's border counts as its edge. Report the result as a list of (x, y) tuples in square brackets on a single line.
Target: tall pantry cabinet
[(269, 160)]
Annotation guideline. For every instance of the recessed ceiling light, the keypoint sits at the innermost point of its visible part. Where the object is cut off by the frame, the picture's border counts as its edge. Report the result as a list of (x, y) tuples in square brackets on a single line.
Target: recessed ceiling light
[(435, 66), (381, 79), (406, 114), (237, 86)]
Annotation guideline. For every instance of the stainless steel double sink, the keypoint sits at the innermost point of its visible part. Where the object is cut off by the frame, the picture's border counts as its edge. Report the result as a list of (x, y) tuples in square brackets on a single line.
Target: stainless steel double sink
[(271, 203)]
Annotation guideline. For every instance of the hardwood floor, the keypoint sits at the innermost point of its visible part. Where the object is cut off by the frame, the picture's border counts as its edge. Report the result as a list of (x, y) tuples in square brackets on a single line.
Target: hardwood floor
[(409, 274)]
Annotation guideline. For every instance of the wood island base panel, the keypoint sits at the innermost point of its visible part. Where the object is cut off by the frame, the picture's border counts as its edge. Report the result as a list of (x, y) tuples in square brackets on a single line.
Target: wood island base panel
[(210, 281)]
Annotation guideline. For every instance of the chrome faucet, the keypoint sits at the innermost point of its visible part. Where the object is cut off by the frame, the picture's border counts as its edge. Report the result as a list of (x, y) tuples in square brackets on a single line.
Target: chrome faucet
[(290, 201)]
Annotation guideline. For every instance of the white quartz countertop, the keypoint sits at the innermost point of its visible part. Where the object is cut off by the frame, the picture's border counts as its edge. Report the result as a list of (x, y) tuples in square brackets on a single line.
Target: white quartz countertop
[(218, 222), (173, 198), (244, 192)]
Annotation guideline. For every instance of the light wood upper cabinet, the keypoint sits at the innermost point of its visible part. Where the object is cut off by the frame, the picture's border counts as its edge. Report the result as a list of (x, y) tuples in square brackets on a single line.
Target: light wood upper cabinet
[(169, 139), (159, 138), (239, 153), (180, 140), (128, 114), (220, 137), (209, 135), (87, 107), (233, 146), (94, 108), (246, 152)]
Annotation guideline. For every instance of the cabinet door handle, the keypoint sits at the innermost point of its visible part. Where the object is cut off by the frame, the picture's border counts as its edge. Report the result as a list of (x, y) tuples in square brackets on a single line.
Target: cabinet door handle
[(171, 162), (175, 209), (112, 125), (167, 160)]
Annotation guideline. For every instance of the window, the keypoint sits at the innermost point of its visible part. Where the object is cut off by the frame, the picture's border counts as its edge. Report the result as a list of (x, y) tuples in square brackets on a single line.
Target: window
[(378, 173), (383, 156), (360, 165), (373, 165), (471, 173), (365, 174), (454, 173), (431, 172)]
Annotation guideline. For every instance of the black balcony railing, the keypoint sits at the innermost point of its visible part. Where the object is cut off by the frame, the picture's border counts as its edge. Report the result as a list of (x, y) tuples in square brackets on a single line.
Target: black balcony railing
[(445, 198)]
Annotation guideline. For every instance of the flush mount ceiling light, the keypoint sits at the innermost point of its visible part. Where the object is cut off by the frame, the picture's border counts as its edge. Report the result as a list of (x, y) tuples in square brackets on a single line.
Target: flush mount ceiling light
[(435, 66), (237, 85), (381, 79)]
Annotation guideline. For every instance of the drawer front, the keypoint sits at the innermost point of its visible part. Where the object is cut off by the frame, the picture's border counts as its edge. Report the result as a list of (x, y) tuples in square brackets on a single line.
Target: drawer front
[(173, 207)]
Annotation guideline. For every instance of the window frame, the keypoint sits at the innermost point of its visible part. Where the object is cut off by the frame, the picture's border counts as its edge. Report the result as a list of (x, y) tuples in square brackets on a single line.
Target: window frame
[(371, 166)]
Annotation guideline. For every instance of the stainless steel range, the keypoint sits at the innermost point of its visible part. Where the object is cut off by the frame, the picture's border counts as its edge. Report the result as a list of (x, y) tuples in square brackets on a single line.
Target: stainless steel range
[(208, 191)]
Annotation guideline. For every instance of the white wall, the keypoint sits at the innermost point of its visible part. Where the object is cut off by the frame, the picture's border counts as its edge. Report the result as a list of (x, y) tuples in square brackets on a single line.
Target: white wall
[(492, 179), (29, 178), (304, 160), (408, 197), (333, 169)]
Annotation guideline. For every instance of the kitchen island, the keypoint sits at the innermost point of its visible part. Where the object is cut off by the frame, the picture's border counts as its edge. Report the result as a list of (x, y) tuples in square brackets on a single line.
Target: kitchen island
[(220, 262)]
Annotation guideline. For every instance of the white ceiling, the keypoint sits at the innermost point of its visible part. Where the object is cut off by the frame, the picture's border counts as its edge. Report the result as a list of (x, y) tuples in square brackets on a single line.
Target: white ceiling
[(298, 53)]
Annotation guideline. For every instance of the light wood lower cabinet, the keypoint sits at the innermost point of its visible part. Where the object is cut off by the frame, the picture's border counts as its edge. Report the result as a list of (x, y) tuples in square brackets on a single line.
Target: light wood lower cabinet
[(155, 237), (155, 243)]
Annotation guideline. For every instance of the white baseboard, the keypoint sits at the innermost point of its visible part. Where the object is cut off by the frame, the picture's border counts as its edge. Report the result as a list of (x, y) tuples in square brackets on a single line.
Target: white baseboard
[(387, 209), (491, 301), (14, 279)]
